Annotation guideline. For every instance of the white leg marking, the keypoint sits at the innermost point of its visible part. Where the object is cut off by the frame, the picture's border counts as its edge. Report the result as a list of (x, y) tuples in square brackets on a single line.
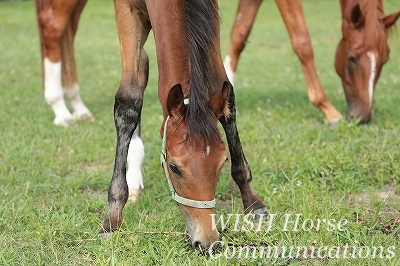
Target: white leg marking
[(80, 109), (228, 69), (371, 77), (53, 93), (134, 176)]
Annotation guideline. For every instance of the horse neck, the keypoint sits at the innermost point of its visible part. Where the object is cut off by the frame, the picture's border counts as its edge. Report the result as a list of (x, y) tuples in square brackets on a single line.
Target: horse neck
[(187, 52), (169, 25), (187, 47)]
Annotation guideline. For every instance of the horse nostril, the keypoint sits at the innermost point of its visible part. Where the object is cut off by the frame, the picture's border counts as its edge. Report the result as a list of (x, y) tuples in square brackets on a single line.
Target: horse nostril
[(198, 246)]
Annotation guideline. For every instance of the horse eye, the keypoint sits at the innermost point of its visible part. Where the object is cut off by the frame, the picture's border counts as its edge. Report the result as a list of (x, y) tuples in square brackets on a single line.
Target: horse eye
[(174, 169), (353, 59)]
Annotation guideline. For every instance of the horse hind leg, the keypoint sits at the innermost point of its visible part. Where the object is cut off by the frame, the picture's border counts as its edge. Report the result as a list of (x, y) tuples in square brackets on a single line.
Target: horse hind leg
[(240, 169), (51, 29), (134, 177), (245, 16), (70, 82)]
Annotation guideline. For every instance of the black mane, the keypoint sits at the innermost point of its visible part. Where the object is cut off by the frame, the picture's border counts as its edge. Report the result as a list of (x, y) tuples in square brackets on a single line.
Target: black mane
[(202, 32)]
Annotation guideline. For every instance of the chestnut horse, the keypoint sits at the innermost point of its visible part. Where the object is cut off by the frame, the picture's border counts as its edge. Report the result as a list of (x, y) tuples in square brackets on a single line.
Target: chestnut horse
[(194, 93), (359, 59)]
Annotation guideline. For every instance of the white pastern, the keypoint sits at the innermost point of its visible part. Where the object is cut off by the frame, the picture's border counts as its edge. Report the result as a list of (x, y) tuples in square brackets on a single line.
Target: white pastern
[(80, 109), (53, 93), (372, 75), (134, 176), (228, 69)]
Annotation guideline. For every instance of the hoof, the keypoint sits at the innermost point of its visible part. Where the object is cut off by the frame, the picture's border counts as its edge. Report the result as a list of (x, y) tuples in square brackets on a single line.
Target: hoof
[(64, 122), (260, 213), (335, 122), (104, 235), (134, 194), (84, 116)]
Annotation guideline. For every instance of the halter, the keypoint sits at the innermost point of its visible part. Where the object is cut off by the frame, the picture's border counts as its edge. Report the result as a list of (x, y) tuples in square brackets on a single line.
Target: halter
[(200, 204)]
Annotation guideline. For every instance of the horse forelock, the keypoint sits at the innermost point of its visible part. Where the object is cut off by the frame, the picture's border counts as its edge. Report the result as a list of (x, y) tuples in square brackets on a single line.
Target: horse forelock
[(374, 31), (202, 32)]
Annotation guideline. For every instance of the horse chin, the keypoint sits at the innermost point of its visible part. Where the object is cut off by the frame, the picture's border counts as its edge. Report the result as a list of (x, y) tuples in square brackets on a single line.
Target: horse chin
[(198, 234), (359, 117)]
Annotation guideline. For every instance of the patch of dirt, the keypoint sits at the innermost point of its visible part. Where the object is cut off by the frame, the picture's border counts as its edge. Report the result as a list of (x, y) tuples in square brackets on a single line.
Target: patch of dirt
[(385, 201), (386, 194)]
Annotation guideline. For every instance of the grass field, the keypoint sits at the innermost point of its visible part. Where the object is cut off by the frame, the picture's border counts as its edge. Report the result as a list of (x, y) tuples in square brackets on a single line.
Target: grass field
[(53, 181)]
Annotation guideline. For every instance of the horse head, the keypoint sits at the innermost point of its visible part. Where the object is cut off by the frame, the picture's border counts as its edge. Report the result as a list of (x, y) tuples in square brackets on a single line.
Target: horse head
[(192, 164), (361, 53)]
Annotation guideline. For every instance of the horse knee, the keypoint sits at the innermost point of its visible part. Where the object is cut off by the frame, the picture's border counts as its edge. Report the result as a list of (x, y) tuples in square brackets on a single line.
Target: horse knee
[(127, 108), (129, 95), (303, 48)]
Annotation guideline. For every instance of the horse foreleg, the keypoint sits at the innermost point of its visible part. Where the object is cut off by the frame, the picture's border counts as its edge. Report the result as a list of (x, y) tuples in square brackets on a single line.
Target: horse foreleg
[(126, 117), (245, 16), (240, 169), (293, 16), (127, 109)]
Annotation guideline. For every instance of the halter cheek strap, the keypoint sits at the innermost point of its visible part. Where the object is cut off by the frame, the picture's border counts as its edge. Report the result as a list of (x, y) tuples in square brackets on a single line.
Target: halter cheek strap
[(201, 204)]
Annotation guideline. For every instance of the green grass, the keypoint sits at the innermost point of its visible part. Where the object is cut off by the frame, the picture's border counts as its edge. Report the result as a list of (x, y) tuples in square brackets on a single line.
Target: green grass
[(53, 181)]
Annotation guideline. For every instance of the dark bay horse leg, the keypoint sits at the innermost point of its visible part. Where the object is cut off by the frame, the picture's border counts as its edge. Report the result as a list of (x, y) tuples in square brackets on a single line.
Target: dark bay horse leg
[(133, 30), (240, 169), (134, 177)]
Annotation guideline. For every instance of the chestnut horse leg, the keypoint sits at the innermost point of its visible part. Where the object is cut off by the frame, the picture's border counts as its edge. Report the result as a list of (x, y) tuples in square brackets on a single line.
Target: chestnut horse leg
[(59, 71), (245, 16), (293, 16), (240, 169), (133, 29), (70, 82)]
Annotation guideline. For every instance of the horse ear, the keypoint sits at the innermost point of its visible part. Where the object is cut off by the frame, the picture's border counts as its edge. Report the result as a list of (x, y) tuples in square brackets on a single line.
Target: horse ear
[(220, 101), (175, 99), (389, 20), (357, 17)]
